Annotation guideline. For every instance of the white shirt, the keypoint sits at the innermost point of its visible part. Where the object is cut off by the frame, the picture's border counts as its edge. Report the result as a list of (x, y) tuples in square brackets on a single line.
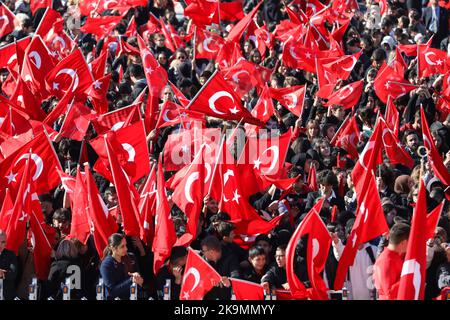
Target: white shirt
[(361, 281)]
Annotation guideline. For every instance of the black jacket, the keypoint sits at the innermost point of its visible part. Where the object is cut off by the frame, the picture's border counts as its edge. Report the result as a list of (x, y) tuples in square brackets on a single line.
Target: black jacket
[(8, 262), (276, 276), (163, 275)]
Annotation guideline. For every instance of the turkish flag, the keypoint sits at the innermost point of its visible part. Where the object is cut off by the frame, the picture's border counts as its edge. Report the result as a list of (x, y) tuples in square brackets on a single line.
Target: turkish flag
[(238, 29), (338, 33), (37, 63), (245, 75), (198, 279), (76, 122), (217, 99), (100, 26), (412, 280), (147, 206), (347, 137), (342, 67), (155, 74), (172, 114), (131, 28), (432, 221), (367, 160), (7, 19), (165, 236), (126, 195), (392, 117), (130, 146), (103, 223), (435, 158), (318, 245), (267, 155), (7, 210), (246, 290), (229, 54), (264, 108), (20, 215), (394, 150), (43, 163), (312, 179), (98, 91), (80, 223), (38, 4), (188, 196), (98, 66), (369, 224), (24, 98), (9, 57), (292, 98), (202, 12), (179, 95), (72, 69), (127, 49), (347, 96), (60, 108), (167, 35), (389, 81), (117, 119), (231, 11), (431, 61)]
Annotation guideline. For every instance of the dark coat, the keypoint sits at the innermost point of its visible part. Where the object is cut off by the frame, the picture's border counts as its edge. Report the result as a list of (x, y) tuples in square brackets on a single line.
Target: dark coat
[(8, 262)]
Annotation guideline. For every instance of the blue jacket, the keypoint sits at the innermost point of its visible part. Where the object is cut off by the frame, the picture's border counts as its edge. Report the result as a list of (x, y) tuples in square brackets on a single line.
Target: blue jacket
[(117, 282)]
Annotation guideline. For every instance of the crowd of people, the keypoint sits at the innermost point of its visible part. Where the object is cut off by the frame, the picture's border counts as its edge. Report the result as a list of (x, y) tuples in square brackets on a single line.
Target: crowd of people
[(129, 260)]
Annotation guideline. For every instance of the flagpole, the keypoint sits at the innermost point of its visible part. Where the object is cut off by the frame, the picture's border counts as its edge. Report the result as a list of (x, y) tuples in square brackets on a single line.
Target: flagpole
[(194, 44)]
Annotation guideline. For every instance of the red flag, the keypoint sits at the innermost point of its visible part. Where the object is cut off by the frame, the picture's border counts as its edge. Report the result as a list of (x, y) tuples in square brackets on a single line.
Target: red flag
[(165, 236), (229, 54), (179, 95), (394, 150), (155, 74), (43, 161), (368, 159), (246, 290), (198, 279), (312, 179), (318, 245), (168, 39), (231, 11), (130, 147), (347, 137), (264, 108), (80, 224), (100, 26), (434, 157), (20, 215), (291, 98), (347, 96), (412, 280), (98, 66), (188, 195), (30, 103), (172, 114), (392, 117), (132, 28), (125, 195), (389, 81), (236, 32), (342, 67), (60, 108), (6, 211), (267, 155), (217, 99), (147, 206), (369, 224), (9, 57), (431, 61), (117, 119), (103, 223), (76, 122), (36, 65), (6, 21), (432, 221), (338, 33), (98, 91), (72, 69), (202, 12), (38, 4)]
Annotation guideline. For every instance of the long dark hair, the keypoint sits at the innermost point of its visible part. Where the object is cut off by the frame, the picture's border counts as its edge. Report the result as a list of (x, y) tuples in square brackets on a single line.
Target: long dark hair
[(114, 241)]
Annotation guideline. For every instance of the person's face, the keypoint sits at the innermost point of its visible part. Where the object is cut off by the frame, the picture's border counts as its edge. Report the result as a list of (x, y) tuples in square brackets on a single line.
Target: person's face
[(180, 262), (162, 59), (211, 255), (181, 56), (265, 245), (60, 225), (330, 132), (325, 188), (112, 199), (313, 130), (160, 42), (2, 242), (412, 141), (47, 208), (212, 206), (339, 113), (121, 250), (167, 95), (280, 258), (3, 76), (256, 58), (325, 149), (437, 139), (258, 262)]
